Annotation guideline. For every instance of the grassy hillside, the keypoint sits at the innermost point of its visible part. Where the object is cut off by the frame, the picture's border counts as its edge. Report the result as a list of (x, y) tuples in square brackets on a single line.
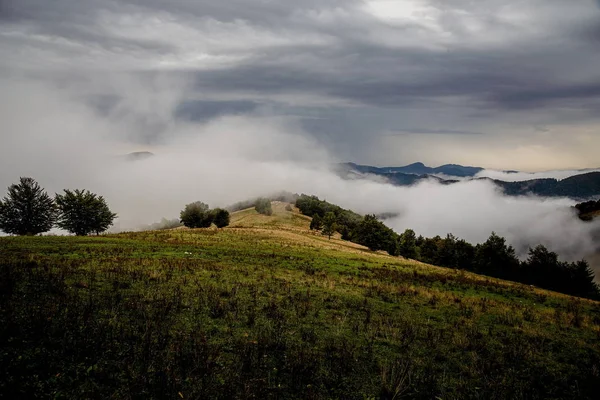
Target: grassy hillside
[(267, 309)]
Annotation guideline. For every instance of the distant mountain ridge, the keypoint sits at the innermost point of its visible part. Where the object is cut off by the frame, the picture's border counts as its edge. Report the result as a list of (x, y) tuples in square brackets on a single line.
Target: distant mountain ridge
[(419, 168), (581, 186)]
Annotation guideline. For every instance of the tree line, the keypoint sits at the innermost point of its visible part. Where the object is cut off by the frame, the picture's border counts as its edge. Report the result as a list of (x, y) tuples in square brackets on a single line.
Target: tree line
[(586, 208), (494, 257), (27, 209)]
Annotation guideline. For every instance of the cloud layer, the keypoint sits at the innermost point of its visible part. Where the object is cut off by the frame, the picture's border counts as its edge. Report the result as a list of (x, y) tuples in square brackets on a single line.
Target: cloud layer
[(354, 74)]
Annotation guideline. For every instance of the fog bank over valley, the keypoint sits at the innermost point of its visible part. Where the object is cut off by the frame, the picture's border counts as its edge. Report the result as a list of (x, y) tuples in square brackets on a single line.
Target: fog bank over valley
[(69, 144)]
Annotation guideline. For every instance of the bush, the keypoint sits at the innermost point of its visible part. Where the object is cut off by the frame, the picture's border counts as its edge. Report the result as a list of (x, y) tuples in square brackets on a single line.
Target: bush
[(27, 209), (220, 217), (263, 206), (82, 212), (196, 215)]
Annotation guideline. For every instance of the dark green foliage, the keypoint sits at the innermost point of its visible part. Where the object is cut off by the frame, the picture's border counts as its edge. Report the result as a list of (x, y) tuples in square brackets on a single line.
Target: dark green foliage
[(220, 217), (27, 209), (316, 224), (196, 215), (263, 206), (82, 212), (494, 257), (544, 269), (375, 235), (408, 244), (329, 225)]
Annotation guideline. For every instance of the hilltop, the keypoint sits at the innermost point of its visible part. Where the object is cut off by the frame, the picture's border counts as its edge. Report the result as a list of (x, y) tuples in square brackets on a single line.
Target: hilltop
[(267, 308)]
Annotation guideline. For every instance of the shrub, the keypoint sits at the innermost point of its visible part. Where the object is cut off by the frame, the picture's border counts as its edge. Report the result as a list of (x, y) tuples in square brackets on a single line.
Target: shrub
[(196, 215), (263, 206), (220, 217)]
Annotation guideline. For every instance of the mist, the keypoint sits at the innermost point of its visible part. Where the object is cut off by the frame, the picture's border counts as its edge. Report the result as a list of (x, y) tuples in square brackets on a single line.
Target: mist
[(57, 136), (525, 176)]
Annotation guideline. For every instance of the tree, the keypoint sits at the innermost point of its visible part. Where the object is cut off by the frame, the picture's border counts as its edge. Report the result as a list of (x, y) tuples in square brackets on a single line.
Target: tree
[(408, 244), (27, 209), (495, 258), (220, 217), (329, 225), (263, 206), (582, 280), (375, 235), (196, 215), (316, 224), (82, 212)]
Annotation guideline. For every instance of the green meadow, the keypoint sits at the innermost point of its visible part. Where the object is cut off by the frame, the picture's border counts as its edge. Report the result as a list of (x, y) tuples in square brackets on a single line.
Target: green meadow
[(267, 309)]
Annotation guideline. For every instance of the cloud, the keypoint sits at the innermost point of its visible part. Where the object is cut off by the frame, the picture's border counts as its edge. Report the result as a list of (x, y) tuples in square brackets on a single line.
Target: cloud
[(525, 176), (437, 66), (231, 158)]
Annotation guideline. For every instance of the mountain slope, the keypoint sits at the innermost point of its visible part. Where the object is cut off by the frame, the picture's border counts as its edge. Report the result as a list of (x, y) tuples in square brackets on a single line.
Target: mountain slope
[(268, 309), (578, 186), (582, 186), (417, 169)]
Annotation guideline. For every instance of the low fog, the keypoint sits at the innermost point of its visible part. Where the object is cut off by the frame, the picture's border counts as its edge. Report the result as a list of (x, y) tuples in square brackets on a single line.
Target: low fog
[(525, 176), (57, 136)]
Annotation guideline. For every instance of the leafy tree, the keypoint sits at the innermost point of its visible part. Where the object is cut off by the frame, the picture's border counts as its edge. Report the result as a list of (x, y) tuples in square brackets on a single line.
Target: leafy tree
[(329, 225), (408, 244), (220, 217), (27, 209), (196, 215), (316, 224), (82, 212), (495, 258), (375, 235), (263, 206)]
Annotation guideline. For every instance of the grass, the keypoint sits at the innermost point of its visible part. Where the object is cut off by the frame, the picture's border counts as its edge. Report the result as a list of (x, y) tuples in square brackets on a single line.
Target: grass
[(267, 309)]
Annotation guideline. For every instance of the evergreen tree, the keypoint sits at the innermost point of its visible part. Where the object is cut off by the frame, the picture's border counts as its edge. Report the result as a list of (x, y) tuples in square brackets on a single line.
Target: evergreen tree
[(220, 217), (329, 225), (196, 215), (582, 280), (82, 212), (27, 209)]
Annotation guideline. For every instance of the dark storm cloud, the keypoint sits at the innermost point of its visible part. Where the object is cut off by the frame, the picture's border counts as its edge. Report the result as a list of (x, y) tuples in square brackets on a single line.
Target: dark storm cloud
[(202, 110), (449, 60)]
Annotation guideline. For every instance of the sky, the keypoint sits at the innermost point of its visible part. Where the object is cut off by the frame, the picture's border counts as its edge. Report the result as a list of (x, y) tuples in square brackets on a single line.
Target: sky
[(492, 83)]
